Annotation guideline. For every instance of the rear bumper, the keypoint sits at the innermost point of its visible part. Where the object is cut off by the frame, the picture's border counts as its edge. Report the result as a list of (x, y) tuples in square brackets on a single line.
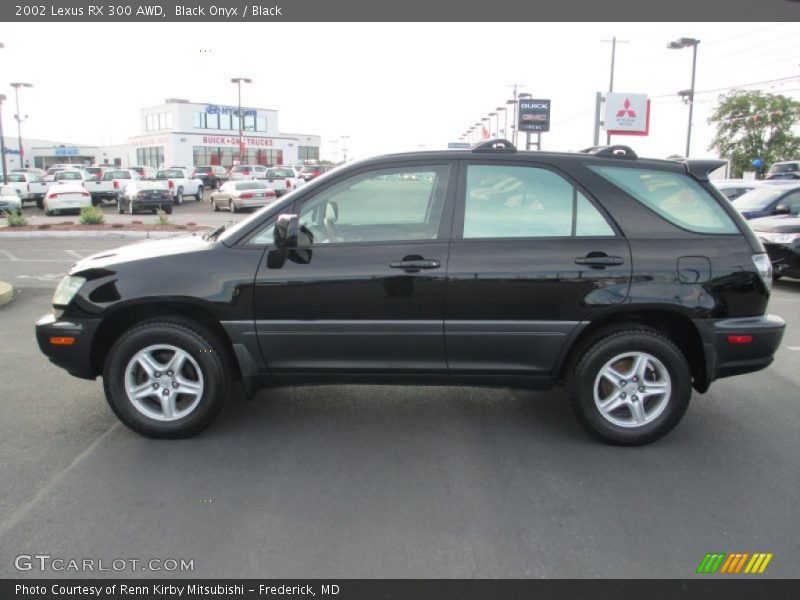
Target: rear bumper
[(738, 346), (75, 358), (152, 203)]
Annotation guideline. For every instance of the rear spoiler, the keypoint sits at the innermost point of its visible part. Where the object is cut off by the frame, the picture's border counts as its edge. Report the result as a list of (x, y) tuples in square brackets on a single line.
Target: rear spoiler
[(700, 169)]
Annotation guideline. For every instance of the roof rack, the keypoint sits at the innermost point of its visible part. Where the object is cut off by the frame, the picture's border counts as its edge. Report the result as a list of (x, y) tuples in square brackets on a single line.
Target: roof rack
[(496, 145), (611, 151)]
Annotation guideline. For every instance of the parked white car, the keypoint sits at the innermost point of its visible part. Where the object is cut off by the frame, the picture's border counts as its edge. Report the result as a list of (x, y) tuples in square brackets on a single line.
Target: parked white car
[(66, 196), (180, 184), (247, 172), (111, 184), (28, 185), (9, 199), (283, 180), (236, 195)]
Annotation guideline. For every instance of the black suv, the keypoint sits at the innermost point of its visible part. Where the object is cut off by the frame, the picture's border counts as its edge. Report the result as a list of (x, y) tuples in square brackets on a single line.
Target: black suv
[(631, 281), (212, 176)]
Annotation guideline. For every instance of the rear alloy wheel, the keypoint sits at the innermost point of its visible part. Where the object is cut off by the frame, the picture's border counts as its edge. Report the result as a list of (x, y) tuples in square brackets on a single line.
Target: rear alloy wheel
[(231, 206), (631, 387), (166, 378)]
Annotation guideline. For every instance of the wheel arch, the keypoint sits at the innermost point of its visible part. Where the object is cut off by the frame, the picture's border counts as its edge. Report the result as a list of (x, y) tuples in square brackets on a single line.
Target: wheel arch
[(116, 323), (669, 322)]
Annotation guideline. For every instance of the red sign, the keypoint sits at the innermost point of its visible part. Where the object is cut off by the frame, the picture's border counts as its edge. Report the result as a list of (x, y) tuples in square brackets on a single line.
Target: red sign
[(234, 141), (632, 113)]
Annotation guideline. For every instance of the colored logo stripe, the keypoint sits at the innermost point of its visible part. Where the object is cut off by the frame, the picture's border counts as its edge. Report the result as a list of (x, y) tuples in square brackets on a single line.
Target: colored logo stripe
[(734, 562)]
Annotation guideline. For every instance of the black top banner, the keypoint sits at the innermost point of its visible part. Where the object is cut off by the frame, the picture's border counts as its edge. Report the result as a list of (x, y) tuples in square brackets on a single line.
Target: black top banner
[(407, 10)]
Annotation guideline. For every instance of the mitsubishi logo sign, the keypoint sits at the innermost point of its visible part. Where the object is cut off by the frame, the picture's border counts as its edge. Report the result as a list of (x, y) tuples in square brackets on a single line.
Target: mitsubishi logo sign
[(627, 114), (626, 110)]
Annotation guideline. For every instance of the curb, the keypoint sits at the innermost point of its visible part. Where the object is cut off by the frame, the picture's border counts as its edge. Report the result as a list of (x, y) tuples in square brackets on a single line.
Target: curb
[(97, 234), (6, 293)]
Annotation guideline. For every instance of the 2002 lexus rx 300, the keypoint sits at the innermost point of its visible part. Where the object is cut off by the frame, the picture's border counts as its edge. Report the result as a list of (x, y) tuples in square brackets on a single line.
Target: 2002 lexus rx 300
[(630, 281)]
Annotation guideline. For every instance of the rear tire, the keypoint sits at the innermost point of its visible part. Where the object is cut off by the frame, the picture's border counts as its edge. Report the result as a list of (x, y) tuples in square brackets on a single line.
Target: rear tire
[(120, 210), (199, 195), (166, 355), (624, 405), (179, 197), (214, 205)]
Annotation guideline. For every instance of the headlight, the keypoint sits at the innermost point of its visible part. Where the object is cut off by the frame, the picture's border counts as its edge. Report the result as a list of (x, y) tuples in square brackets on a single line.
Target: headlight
[(67, 289), (778, 238)]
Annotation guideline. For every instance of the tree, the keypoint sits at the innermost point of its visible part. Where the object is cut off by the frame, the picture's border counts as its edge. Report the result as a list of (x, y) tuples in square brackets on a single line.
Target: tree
[(754, 125)]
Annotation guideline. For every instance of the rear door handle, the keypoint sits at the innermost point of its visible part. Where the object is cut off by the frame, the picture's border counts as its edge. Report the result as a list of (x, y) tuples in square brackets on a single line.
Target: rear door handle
[(415, 265), (599, 261)]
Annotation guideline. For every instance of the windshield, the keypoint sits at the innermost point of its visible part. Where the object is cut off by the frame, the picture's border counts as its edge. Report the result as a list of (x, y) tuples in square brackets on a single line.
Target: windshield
[(785, 168), (757, 199), (280, 173), (172, 173)]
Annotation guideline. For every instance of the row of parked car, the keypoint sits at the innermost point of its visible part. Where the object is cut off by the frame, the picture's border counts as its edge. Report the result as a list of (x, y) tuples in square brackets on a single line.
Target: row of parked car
[(72, 187), (772, 208)]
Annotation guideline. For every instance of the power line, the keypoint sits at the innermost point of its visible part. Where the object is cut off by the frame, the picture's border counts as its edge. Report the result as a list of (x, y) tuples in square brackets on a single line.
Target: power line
[(745, 34), (733, 87)]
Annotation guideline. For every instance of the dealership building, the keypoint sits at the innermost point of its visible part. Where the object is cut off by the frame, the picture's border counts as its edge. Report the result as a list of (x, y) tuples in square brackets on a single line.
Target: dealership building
[(183, 133)]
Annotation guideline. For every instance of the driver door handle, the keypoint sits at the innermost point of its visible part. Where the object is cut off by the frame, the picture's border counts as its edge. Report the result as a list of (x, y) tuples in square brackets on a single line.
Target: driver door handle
[(415, 265)]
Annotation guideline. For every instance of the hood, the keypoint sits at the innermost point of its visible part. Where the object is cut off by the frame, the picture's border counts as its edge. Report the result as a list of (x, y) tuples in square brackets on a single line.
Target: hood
[(777, 224), (148, 249)]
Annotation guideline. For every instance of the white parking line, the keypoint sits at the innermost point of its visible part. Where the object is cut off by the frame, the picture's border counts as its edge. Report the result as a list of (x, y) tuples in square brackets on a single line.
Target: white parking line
[(76, 254), (8, 254), (793, 347)]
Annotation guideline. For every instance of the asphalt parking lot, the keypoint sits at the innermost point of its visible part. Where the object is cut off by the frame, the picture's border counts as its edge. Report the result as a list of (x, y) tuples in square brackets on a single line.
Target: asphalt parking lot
[(387, 481)]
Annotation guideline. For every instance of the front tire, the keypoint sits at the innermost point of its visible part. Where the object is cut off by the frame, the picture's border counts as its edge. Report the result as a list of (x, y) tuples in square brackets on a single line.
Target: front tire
[(199, 195), (166, 378), (631, 387)]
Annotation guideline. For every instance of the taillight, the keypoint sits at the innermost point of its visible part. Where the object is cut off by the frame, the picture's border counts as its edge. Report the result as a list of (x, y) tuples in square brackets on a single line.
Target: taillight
[(740, 339), (246, 196), (116, 184), (288, 183), (85, 194), (171, 184)]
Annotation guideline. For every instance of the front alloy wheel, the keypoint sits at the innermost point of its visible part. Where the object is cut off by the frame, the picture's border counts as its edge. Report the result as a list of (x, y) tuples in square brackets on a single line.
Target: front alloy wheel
[(166, 378)]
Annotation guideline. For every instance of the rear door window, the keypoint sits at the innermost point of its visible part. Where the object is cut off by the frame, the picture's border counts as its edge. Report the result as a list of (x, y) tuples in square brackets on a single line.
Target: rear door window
[(673, 196)]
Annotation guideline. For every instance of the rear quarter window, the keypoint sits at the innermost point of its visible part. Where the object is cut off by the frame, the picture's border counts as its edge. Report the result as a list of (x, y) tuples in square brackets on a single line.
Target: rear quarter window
[(673, 196)]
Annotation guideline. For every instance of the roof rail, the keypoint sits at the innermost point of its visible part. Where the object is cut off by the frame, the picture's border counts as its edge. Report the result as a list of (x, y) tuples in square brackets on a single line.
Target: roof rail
[(611, 151), (497, 145)]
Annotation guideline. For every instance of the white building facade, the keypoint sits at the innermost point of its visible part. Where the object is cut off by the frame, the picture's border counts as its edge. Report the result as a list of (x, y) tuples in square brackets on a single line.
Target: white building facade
[(183, 133), (186, 134)]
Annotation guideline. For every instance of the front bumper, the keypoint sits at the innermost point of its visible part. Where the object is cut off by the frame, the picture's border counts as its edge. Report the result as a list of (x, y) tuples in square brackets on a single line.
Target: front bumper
[(75, 358), (785, 258), (741, 345)]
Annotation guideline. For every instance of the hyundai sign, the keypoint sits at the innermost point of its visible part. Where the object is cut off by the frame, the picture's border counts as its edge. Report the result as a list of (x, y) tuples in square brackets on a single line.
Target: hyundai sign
[(534, 115)]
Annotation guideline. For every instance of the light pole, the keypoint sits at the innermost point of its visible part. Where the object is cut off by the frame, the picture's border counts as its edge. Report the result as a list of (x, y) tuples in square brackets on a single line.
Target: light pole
[(525, 96), (344, 147), (514, 120), (239, 81), (505, 121), (16, 85), (3, 140), (678, 44), (613, 41), (496, 124)]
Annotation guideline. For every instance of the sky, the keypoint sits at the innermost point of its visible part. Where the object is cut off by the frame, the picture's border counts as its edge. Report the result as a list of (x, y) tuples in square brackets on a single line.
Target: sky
[(387, 87)]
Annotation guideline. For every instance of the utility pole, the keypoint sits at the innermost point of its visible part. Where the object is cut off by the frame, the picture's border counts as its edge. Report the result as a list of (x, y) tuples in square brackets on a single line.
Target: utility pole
[(613, 41)]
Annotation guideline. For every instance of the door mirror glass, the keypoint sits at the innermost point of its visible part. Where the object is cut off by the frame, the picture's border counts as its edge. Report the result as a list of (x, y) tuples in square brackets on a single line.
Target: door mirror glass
[(286, 231)]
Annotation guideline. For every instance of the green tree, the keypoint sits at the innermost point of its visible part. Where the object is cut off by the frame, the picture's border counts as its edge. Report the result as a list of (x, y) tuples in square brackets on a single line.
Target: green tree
[(754, 125)]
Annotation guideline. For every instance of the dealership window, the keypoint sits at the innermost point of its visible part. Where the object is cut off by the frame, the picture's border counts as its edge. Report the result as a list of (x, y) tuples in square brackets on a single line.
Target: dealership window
[(261, 123), (158, 121), (226, 121), (197, 120), (308, 153), (249, 123), (150, 157)]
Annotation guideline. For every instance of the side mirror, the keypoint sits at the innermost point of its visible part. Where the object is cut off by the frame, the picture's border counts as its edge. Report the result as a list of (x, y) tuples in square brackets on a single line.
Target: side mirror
[(286, 231), (782, 209)]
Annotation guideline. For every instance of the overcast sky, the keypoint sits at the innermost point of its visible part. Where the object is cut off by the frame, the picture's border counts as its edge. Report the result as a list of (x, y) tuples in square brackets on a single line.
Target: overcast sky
[(388, 86)]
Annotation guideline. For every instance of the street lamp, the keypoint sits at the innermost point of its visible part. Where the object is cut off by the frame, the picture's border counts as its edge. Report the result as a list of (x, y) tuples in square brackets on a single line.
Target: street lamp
[(514, 120), (496, 123), (16, 85), (505, 120), (678, 44), (3, 140), (239, 81)]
